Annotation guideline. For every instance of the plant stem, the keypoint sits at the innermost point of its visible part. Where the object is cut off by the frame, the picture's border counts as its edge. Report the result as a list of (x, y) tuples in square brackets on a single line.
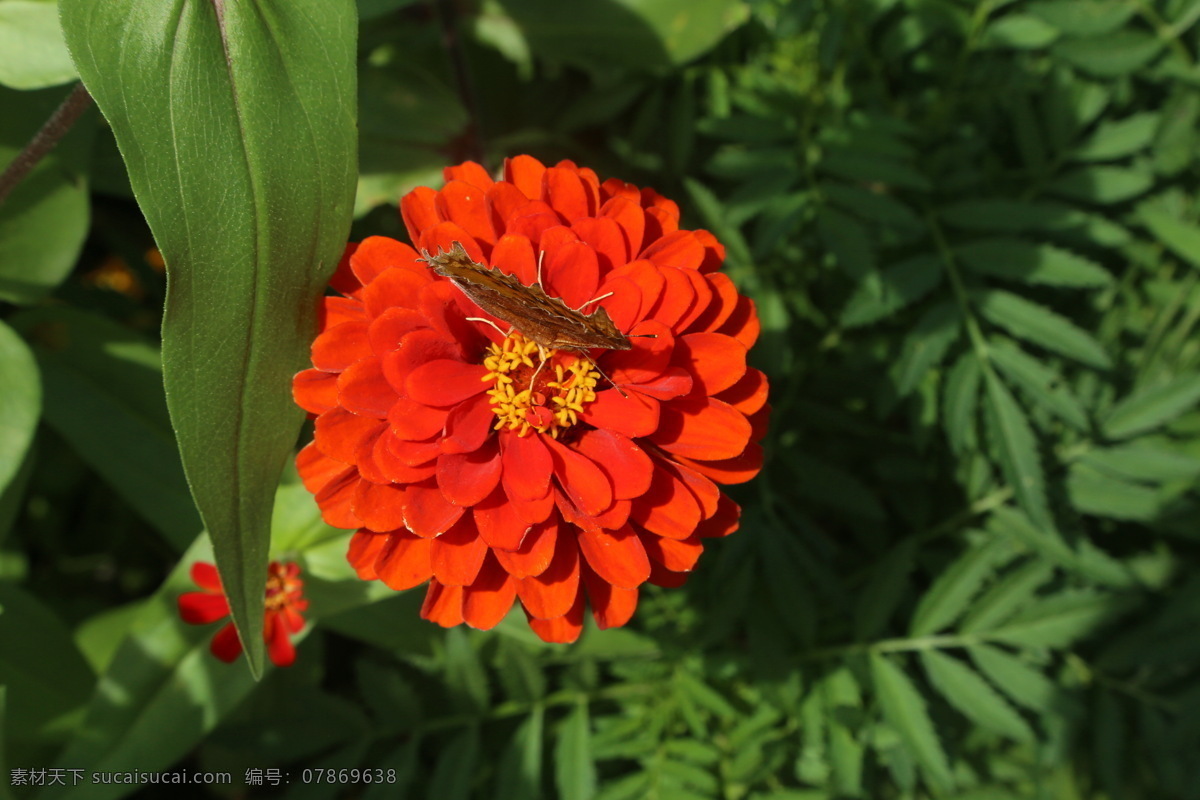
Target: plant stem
[(60, 122)]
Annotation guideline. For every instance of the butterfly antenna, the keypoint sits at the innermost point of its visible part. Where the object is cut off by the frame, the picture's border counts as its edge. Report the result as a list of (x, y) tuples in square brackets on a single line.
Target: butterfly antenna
[(487, 322), (604, 374), (541, 258), (595, 300)]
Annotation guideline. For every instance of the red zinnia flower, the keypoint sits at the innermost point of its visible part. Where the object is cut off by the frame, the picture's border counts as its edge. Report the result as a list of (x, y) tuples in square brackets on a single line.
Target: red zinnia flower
[(285, 602), (463, 464)]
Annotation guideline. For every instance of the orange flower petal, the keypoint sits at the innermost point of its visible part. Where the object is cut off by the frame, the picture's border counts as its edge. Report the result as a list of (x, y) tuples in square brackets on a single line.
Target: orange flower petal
[(561, 630), (731, 470), (667, 508), (677, 249), (365, 548), (202, 608), (394, 288), (527, 466), (488, 599), (364, 459), (677, 555), (551, 593), (362, 389), (465, 205), (604, 236), (646, 359), (226, 645), (676, 300), (534, 554), (380, 507), (525, 172), (611, 605), (427, 512), (633, 415), (336, 499), (413, 454), (415, 422), (703, 297), (532, 511), (749, 394), (705, 491), (723, 300), (339, 433), (702, 428), (404, 562), (340, 346), (470, 172), (617, 556), (498, 523), (388, 330), (416, 348), (468, 425), (566, 193), (514, 256), (280, 649), (343, 279), (315, 391), (457, 555), (724, 520), (673, 382), (626, 465), (661, 576), (631, 219), (377, 254), (316, 469), (395, 469), (505, 202), (623, 303), (333, 311), (443, 604), (445, 382), (206, 576), (715, 361), (419, 211), (742, 323), (467, 478), (580, 478), (572, 272)]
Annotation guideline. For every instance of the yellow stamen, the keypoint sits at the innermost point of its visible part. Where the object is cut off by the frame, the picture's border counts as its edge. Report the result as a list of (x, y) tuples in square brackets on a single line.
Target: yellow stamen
[(563, 387)]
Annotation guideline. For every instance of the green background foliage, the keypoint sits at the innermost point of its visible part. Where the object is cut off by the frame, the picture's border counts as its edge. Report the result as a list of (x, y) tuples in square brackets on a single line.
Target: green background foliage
[(969, 568)]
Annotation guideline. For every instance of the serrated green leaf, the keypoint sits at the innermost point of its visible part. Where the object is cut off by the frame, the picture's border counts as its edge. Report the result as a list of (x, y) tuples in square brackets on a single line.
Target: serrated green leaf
[(1094, 492), (904, 709), (1180, 237), (704, 696), (1084, 558), (1102, 185), (848, 240), (1007, 596), (1015, 448), (1043, 385), (574, 770), (890, 289), (1033, 263), (1110, 55), (960, 402), (20, 403), (33, 54), (1021, 682), (843, 700), (519, 773), (1060, 620), (1152, 407), (949, 595), (1119, 138), (926, 345), (250, 204), (1144, 460), (888, 582), (466, 678), (974, 697), (1041, 326)]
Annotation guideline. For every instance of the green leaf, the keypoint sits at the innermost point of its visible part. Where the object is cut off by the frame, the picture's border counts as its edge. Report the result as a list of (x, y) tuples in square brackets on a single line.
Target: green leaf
[(926, 345), (848, 240), (1111, 55), (519, 772), (1152, 407), (884, 292), (466, 680), (1102, 185), (104, 396), (949, 595), (1084, 558), (39, 664), (1083, 17), (1119, 138), (1144, 460), (1006, 596), (1020, 31), (456, 767), (1022, 683), (1094, 492), (1043, 385), (1033, 263), (887, 584), (631, 34), (904, 709), (20, 403), (44, 221), (960, 402), (1180, 237), (974, 697), (1041, 326), (1060, 620), (574, 770), (843, 703), (250, 204), (33, 54), (1015, 448)]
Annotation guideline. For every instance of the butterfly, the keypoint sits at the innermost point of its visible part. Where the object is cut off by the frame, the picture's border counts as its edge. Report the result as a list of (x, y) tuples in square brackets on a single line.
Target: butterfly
[(546, 320)]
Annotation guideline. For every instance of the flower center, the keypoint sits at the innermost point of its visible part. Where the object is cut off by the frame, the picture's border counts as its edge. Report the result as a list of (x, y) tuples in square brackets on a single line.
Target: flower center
[(534, 389), (283, 586)]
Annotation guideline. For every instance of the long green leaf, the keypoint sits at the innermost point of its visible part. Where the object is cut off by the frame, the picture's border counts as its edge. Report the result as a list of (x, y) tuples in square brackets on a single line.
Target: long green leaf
[(236, 124), (1152, 407), (1021, 682), (574, 770), (891, 289), (1043, 327), (1029, 262), (904, 709), (1042, 384), (1016, 449), (520, 767), (20, 403), (1181, 238), (972, 695), (947, 598)]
